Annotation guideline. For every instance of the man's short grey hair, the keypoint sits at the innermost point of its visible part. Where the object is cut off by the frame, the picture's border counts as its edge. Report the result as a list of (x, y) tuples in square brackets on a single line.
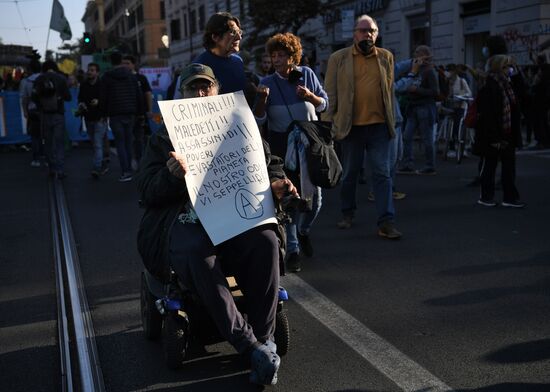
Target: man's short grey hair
[(365, 17)]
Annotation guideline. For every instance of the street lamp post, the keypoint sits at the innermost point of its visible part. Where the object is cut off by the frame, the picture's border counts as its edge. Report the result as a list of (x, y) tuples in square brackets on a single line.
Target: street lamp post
[(127, 13)]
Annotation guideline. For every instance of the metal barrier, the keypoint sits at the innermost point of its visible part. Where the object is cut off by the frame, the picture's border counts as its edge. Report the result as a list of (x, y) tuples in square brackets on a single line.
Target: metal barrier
[(13, 125)]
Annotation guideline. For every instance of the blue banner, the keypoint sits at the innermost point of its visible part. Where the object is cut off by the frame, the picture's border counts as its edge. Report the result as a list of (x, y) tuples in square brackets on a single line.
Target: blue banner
[(12, 121)]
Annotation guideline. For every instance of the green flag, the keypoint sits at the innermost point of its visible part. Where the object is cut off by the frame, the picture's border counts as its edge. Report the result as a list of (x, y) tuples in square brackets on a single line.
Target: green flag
[(59, 22)]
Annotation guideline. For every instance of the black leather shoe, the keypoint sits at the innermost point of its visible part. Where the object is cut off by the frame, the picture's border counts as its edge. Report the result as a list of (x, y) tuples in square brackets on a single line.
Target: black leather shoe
[(305, 245), (293, 262)]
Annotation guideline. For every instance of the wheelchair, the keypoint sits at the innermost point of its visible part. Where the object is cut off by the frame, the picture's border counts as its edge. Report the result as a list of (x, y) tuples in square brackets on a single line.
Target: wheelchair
[(174, 314)]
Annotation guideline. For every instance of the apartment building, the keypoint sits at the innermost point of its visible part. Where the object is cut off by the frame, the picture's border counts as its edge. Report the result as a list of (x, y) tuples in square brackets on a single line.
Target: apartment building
[(456, 29), (135, 26)]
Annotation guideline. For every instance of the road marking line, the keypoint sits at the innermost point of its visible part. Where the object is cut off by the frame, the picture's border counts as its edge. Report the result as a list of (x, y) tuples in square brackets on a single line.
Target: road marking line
[(391, 362)]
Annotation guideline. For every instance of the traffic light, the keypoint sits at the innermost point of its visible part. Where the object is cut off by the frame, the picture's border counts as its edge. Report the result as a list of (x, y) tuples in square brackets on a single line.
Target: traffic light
[(88, 44)]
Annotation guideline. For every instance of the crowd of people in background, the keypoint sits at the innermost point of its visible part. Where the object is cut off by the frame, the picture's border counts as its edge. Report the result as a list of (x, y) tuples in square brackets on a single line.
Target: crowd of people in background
[(377, 107), (119, 98), (283, 88)]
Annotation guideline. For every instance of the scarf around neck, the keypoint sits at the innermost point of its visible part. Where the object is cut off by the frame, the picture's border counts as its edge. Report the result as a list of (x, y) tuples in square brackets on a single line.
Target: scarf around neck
[(508, 99)]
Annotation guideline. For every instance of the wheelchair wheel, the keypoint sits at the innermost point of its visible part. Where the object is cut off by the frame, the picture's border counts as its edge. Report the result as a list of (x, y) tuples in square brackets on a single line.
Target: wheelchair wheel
[(151, 319), (175, 339), (282, 333)]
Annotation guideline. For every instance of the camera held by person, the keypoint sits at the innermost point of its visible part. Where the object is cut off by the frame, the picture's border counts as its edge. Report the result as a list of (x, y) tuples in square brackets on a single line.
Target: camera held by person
[(81, 110)]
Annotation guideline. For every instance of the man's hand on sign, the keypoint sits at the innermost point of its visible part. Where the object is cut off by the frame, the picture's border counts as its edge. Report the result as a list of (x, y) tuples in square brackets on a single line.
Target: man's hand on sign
[(282, 188), (176, 165)]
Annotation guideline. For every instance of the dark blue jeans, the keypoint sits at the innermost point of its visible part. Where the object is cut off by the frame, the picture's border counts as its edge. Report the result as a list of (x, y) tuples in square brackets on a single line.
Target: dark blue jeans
[(123, 127), (96, 131), (421, 118), (378, 144), (53, 128)]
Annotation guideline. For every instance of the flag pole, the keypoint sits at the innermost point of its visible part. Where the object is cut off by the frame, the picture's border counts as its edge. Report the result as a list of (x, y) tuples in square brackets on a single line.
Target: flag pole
[(48, 36)]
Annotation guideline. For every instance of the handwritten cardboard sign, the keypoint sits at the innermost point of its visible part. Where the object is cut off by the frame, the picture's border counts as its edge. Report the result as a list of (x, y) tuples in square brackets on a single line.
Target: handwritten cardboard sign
[(227, 179)]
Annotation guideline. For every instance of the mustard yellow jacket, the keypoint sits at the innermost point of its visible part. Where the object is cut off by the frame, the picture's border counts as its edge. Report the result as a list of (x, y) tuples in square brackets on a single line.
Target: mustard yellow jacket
[(340, 88)]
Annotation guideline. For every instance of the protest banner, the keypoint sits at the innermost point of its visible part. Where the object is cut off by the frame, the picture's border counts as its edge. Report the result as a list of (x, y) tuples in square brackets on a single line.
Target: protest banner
[(3, 129), (227, 178), (158, 78)]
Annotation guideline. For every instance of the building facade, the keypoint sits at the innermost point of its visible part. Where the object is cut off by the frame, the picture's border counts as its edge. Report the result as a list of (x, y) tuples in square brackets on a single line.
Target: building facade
[(456, 30), (185, 21), (135, 26)]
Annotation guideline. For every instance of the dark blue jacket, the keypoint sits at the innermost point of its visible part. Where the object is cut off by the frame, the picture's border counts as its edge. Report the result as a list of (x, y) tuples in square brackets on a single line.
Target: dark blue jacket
[(120, 93)]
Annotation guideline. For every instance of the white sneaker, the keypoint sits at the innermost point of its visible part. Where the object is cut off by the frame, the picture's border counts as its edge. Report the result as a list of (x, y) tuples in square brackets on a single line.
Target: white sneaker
[(35, 163), (125, 177), (451, 154), (487, 203), (513, 204)]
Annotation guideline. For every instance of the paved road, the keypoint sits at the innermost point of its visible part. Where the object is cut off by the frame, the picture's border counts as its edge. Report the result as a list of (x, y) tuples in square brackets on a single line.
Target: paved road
[(462, 300)]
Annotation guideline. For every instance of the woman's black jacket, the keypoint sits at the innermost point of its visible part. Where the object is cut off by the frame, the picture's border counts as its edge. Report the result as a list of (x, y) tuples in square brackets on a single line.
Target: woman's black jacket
[(489, 127)]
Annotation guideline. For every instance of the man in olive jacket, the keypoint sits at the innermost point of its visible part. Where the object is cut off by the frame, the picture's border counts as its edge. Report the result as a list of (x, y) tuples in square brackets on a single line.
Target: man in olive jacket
[(172, 236), (359, 84)]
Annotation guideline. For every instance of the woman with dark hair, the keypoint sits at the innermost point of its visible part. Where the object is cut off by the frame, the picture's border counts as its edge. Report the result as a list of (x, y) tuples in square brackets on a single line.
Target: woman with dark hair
[(292, 92), (497, 134)]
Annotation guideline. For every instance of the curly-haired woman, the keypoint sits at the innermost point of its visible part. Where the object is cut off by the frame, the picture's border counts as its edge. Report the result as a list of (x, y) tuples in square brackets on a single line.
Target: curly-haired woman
[(292, 92)]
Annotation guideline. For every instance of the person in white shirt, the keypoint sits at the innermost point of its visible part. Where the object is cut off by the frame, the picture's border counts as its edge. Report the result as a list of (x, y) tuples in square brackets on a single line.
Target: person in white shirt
[(458, 88)]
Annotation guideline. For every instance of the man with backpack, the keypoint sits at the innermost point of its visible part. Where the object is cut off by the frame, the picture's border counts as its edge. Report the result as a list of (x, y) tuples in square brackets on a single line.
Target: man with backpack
[(32, 114), (50, 90), (121, 102), (141, 125)]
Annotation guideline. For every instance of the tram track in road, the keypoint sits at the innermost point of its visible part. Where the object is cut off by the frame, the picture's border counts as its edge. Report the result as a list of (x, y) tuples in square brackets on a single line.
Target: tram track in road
[(73, 312)]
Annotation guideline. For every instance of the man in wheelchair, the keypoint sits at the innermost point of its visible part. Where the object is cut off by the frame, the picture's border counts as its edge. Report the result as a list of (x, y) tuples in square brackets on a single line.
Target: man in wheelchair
[(171, 236)]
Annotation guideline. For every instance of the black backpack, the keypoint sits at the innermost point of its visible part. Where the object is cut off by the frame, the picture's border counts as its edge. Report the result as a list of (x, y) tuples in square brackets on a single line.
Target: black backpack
[(45, 92), (323, 164)]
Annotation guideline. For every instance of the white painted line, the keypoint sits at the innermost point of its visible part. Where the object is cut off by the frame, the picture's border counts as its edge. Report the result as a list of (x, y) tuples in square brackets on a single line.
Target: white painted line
[(403, 371)]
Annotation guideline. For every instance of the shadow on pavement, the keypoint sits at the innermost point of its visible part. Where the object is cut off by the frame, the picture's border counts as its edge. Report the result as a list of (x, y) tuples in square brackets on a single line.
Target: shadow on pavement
[(537, 350), (205, 371), (540, 260), (31, 369), (362, 390), (542, 287)]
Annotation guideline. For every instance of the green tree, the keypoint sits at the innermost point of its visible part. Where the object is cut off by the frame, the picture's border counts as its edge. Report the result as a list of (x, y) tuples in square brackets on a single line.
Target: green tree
[(281, 17), (69, 50)]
